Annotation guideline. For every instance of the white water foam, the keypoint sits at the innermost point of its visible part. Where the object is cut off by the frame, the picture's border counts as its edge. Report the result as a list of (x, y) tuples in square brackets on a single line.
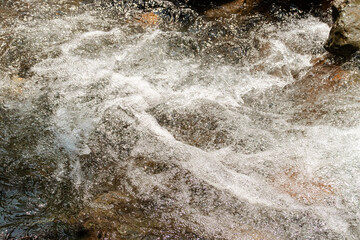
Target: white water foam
[(96, 70)]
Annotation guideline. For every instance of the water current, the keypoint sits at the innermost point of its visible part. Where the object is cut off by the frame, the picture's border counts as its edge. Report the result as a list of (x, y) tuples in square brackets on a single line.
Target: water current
[(117, 123)]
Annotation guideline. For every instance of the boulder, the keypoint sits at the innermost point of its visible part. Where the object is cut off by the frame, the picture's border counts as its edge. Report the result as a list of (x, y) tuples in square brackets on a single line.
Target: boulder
[(300, 4), (202, 5), (265, 6), (245, 4), (344, 38), (234, 7)]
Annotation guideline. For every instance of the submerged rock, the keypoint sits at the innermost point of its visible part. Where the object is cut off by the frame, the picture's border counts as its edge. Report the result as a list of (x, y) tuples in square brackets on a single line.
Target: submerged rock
[(117, 215), (211, 126), (200, 125), (302, 188), (344, 38)]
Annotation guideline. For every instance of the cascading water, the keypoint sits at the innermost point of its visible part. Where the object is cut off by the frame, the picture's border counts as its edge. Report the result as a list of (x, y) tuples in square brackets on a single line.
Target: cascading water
[(112, 127)]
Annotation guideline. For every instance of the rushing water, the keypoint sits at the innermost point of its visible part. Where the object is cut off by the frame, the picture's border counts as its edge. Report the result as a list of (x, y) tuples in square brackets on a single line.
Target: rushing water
[(115, 126)]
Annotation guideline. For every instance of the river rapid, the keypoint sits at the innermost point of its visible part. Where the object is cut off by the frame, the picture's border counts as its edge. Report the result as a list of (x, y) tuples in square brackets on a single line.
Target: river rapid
[(120, 124)]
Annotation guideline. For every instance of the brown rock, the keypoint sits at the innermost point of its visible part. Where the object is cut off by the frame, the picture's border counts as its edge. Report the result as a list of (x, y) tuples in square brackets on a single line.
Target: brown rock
[(344, 38), (235, 7), (149, 19), (225, 7), (314, 93), (324, 76), (116, 215), (303, 189)]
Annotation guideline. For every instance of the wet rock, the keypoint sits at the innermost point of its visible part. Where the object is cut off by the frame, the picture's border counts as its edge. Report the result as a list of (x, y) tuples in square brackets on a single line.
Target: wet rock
[(22, 47), (165, 207), (235, 7), (150, 166), (324, 76), (344, 38), (117, 215), (17, 55), (145, 201), (32, 193), (300, 187), (6, 15), (104, 165), (212, 126), (200, 125), (262, 4), (303, 5), (164, 14), (149, 19), (226, 8), (117, 131), (322, 94), (203, 5)]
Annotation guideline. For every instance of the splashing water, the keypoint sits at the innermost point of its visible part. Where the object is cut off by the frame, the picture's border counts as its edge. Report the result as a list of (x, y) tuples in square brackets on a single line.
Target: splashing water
[(198, 131)]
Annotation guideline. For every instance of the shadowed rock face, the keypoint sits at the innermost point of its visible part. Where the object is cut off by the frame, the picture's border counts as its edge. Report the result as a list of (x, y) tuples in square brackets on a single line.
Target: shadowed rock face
[(344, 38), (203, 5), (237, 5), (303, 5), (262, 5)]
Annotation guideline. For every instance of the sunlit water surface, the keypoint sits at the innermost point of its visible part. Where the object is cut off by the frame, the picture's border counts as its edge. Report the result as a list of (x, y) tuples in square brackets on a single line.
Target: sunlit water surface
[(203, 125)]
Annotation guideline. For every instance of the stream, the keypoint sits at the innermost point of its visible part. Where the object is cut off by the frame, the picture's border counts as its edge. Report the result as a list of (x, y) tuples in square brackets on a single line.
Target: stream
[(118, 123)]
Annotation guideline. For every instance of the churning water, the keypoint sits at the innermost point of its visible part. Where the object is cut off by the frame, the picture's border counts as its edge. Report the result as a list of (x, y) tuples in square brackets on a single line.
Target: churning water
[(173, 128)]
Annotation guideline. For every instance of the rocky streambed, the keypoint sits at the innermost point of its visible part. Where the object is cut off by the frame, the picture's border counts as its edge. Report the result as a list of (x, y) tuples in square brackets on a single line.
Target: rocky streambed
[(179, 120)]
